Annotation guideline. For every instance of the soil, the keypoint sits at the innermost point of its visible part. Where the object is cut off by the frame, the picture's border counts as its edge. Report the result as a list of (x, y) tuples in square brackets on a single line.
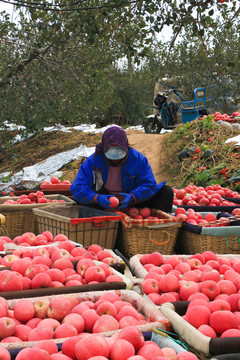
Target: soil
[(161, 150), (40, 147), (154, 148)]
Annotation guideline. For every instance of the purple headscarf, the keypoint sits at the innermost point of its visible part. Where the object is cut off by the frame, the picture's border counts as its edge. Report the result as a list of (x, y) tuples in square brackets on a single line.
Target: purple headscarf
[(112, 136)]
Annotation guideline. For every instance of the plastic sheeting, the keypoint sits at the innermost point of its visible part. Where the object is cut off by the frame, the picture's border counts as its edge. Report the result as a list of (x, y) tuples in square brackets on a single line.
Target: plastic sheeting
[(30, 176)]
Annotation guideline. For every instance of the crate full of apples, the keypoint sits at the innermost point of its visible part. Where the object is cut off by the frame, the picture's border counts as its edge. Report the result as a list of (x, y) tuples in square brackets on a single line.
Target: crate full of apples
[(55, 184), (56, 263), (209, 219), (196, 196), (209, 328), (18, 210), (71, 315), (206, 276), (128, 344)]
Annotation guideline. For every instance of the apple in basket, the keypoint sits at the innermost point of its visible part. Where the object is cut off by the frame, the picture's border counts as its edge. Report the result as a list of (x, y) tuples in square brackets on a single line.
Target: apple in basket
[(236, 212), (132, 212), (136, 213)]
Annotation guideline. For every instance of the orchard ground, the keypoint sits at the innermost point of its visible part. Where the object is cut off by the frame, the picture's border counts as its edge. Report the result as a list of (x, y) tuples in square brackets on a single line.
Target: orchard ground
[(161, 150), (39, 148)]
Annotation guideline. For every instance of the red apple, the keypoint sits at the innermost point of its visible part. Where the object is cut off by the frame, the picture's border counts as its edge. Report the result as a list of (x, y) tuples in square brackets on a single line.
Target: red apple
[(7, 327), (180, 211), (180, 193), (188, 288), (95, 273), (65, 330), (121, 349), (132, 212), (90, 346), (150, 286), (198, 315), (145, 212), (59, 307), (210, 288), (222, 320), (41, 308), (114, 202), (24, 310), (48, 345), (55, 180), (150, 350)]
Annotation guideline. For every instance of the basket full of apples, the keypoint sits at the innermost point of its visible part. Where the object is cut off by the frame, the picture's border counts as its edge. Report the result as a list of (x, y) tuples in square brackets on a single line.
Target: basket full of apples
[(18, 210), (146, 230), (218, 232)]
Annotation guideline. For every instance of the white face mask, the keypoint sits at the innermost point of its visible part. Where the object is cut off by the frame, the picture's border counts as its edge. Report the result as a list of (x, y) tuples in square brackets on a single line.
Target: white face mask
[(115, 153)]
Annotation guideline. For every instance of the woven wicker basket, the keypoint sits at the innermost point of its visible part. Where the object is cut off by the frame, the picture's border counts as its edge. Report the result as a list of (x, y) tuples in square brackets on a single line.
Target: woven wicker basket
[(143, 237), (20, 219), (197, 243)]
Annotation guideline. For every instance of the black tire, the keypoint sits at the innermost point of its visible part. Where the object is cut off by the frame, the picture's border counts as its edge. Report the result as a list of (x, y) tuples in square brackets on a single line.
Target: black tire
[(152, 126)]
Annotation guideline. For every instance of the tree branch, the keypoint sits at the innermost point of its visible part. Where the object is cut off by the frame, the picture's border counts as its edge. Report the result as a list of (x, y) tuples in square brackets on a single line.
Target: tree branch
[(20, 66)]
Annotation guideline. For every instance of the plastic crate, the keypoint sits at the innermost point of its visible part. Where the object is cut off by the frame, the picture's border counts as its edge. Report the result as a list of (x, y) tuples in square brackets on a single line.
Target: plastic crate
[(19, 217), (201, 345), (141, 272), (101, 230), (153, 315), (56, 187), (46, 192)]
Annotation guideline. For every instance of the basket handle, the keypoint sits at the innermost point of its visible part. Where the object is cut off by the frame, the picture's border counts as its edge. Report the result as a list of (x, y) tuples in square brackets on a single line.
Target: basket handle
[(163, 243), (228, 244), (2, 219)]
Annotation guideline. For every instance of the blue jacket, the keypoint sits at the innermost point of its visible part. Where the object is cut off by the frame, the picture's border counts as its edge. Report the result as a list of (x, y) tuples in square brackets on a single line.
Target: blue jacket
[(137, 178)]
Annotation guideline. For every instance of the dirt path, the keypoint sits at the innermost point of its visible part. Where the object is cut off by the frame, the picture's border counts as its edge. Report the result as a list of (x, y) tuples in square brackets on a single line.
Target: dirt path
[(39, 148), (153, 147)]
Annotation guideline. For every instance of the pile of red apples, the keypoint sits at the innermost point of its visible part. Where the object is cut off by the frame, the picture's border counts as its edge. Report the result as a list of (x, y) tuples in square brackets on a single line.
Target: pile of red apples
[(214, 195), (142, 213), (225, 117), (206, 280), (209, 220), (52, 266), (64, 316), (32, 198), (128, 344), (55, 181)]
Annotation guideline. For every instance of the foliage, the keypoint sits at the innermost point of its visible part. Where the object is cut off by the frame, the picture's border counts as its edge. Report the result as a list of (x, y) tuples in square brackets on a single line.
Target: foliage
[(210, 160)]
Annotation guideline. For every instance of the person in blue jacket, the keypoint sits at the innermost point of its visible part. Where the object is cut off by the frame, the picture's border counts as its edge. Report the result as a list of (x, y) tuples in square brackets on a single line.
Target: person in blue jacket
[(116, 169)]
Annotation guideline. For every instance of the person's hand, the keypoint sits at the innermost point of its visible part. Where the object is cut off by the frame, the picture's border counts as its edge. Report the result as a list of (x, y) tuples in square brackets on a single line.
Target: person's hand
[(126, 201), (103, 200)]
